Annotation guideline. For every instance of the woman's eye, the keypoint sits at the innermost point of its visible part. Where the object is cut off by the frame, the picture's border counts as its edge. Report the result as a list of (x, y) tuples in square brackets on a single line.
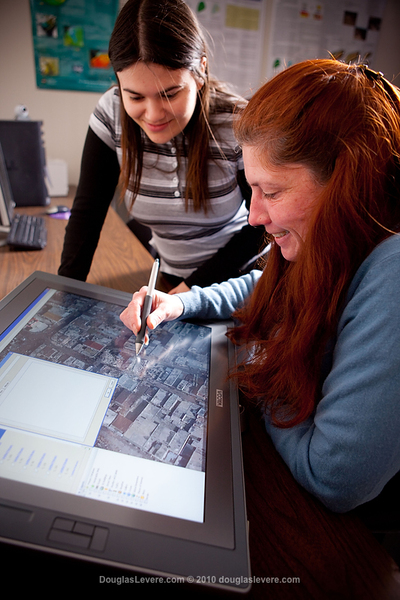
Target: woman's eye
[(169, 96), (269, 195)]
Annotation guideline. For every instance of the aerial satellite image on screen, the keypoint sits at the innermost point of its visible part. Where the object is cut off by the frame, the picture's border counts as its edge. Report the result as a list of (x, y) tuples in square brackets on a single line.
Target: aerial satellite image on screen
[(159, 407)]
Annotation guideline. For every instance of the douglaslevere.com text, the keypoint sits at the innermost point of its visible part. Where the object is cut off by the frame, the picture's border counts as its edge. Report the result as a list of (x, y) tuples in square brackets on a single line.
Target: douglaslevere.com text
[(200, 579)]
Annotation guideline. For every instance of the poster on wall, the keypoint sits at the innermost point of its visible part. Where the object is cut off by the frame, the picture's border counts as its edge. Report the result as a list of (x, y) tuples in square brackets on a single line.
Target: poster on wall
[(307, 29), (235, 35), (70, 40)]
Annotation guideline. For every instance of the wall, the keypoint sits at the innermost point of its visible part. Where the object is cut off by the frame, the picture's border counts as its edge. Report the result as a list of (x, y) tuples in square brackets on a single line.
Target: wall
[(65, 114)]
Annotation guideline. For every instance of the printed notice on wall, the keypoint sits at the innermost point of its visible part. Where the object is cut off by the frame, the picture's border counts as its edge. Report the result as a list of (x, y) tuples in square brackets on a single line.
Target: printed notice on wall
[(235, 35), (307, 29), (70, 41)]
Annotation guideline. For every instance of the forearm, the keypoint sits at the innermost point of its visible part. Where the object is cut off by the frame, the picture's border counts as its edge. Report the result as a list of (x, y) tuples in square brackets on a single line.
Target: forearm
[(98, 180), (218, 301), (230, 261)]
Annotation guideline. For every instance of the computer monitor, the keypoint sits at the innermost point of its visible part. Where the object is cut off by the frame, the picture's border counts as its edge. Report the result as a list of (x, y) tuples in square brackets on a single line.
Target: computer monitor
[(132, 462), (25, 161), (7, 203)]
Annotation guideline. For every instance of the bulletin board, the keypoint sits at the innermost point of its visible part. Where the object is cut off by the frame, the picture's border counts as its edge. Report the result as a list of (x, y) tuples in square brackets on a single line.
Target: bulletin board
[(235, 31), (307, 29), (70, 40)]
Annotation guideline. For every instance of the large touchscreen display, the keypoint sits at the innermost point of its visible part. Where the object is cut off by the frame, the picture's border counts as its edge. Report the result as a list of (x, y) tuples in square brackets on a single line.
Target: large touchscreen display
[(80, 413)]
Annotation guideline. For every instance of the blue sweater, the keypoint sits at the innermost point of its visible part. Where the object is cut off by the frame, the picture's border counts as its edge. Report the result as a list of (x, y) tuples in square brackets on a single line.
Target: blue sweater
[(349, 448)]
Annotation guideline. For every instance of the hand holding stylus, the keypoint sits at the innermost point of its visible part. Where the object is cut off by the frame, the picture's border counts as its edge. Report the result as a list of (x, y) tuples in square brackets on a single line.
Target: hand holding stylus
[(164, 307), (147, 304)]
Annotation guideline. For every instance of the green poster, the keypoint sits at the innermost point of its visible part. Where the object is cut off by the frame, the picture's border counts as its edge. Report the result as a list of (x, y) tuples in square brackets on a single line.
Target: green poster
[(70, 40)]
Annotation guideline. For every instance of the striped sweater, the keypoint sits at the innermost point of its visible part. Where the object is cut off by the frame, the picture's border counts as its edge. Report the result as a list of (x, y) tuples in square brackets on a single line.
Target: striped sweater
[(183, 239)]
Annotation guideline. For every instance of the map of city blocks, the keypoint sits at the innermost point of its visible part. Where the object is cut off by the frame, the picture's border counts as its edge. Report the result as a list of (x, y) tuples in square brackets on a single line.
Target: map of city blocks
[(159, 408)]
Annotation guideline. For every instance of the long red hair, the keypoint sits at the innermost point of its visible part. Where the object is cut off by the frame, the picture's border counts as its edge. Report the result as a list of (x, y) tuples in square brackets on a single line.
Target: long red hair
[(343, 123)]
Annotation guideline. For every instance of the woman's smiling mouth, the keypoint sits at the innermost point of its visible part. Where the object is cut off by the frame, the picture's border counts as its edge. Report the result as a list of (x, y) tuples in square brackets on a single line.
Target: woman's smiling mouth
[(157, 127), (279, 235)]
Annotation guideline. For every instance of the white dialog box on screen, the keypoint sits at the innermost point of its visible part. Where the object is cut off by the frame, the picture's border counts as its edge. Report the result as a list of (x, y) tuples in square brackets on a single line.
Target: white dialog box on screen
[(53, 399)]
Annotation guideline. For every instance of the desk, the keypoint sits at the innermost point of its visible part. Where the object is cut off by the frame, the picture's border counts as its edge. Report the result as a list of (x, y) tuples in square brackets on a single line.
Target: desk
[(120, 261), (307, 552)]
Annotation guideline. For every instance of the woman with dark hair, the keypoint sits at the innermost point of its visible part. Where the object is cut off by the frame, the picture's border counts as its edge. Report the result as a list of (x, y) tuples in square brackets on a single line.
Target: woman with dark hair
[(321, 323), (165, 133)]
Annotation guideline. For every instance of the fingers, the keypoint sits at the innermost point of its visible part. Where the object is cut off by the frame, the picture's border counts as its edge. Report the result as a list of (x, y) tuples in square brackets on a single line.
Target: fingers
[(164, 308), (156, 317), (131, 316)]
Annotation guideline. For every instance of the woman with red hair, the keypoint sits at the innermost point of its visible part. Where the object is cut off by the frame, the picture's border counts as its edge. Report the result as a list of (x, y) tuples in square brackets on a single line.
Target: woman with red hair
[(321, 322)]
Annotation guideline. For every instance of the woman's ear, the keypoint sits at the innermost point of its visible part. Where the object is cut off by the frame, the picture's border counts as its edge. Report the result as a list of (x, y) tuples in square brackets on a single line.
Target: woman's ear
[(203, 69), (203, 65)]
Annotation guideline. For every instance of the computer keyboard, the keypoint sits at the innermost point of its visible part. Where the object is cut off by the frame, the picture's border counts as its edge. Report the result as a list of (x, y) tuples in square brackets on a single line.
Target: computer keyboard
[(27, 233)]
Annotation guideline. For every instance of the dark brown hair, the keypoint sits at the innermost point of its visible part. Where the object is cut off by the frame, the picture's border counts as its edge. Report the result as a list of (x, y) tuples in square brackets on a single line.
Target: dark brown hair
[(166, 33), (343, 123)]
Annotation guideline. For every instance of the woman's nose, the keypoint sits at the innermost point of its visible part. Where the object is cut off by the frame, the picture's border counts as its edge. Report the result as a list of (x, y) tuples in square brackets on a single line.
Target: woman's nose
[(155, 110), (258, 214)]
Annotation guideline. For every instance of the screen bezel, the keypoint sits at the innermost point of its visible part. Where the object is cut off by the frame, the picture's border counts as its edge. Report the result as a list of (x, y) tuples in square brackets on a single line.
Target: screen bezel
[(224, 527)]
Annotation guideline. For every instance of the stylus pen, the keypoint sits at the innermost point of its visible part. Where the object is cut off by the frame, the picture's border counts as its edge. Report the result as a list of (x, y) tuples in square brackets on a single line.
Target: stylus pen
[(148, 301)]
